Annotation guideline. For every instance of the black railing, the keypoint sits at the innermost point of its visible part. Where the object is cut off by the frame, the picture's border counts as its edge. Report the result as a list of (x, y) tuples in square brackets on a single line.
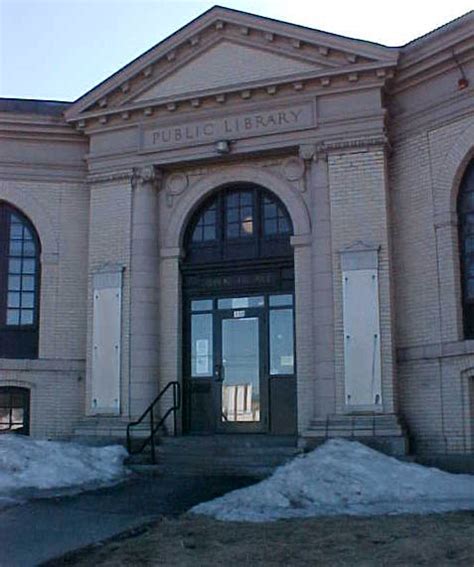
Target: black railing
[(155, 425)]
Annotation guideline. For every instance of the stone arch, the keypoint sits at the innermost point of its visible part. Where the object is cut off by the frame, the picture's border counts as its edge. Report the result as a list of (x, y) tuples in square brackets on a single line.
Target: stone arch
[(446, 188), (450, 172), (192, 198), (25, 202)]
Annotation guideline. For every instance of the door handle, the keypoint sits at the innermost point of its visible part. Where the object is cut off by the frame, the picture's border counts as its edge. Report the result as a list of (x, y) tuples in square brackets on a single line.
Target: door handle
[(219, 372)]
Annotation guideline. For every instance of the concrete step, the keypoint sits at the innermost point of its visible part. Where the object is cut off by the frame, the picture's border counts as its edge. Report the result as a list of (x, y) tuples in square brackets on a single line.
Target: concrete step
[(224, 453), (217, 455), (230, 440), (256, 471)]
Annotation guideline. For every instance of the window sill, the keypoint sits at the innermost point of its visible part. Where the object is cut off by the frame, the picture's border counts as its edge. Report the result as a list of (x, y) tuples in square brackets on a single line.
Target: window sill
[(436, 350), (42, 364)]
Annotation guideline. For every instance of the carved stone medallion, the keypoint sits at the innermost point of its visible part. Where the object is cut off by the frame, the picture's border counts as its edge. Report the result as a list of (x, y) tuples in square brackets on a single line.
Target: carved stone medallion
[(293, 168)]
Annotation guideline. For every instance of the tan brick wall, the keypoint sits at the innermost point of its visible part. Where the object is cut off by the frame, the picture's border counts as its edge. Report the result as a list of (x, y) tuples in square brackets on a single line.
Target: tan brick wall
[(56, 393), (434, 360), (109, 244), (59, 212), (359, 212)]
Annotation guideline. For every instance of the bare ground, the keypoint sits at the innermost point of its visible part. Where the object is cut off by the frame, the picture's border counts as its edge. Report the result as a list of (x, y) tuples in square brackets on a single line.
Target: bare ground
[(435, 540)]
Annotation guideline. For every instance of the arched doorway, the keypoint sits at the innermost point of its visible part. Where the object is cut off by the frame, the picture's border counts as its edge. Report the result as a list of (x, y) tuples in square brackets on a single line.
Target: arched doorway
[(238, 299)]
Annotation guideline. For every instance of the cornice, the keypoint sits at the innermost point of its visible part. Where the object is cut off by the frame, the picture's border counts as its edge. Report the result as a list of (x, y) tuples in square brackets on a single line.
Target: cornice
[(419, 67), (372, 76), (456, 107), (438, 40), (310, 35), (20, 171), (30, 127), (77, 137), (110, 177)]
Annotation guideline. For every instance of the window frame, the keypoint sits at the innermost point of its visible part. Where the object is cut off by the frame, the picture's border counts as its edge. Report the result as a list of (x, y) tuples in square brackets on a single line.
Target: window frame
[(25, 394), (255, 245), (18, 340)]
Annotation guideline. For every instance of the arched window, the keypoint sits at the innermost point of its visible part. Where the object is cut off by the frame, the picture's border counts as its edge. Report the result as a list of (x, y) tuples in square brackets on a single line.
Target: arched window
[(240, 222), (19, 284), (466, 239)]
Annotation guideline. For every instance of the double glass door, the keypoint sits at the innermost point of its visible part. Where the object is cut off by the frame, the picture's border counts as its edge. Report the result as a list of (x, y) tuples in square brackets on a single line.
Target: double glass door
[(237, 345)]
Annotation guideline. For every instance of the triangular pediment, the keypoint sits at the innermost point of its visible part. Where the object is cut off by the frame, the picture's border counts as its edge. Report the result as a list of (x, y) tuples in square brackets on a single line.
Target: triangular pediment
[(226, 65), (224, 50)]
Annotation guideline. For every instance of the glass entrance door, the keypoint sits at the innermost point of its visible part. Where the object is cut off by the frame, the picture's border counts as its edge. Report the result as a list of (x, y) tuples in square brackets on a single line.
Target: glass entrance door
[(240, 371)]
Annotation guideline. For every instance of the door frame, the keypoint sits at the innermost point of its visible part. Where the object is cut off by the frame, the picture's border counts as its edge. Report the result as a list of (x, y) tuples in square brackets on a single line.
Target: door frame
[(220, 316), (279, 414)]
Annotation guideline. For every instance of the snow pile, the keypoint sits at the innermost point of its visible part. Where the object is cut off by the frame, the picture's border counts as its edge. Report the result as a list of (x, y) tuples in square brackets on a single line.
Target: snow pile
[(344, 477), (27, 465)]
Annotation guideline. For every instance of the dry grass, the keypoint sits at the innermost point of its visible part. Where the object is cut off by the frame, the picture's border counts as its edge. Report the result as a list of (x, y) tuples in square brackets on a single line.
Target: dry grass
[(435, 540)]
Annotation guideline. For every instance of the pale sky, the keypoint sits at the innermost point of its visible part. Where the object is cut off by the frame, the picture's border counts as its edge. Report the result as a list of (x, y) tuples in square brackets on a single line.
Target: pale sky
[(59, 49)]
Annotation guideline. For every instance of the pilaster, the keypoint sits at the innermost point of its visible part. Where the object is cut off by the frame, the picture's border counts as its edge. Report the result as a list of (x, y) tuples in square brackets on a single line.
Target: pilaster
[(304, 329), (144, 289), (317, 182)]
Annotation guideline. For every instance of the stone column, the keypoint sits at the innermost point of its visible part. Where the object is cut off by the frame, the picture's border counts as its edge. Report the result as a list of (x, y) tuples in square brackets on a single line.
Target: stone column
[(144, 284), (170, 324), (323, 296), (304, 329)]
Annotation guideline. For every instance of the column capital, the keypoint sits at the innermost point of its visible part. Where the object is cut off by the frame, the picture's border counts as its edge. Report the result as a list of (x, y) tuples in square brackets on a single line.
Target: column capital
[(146, 176), (313, 152), (307, 152)]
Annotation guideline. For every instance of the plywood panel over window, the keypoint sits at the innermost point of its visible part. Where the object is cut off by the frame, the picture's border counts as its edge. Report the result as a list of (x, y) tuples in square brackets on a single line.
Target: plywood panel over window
[(106, 343), (362, 352)]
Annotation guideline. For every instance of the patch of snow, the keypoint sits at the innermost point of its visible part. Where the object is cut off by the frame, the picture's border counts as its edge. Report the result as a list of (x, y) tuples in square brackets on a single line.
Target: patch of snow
[(344, 477), (28, 466)]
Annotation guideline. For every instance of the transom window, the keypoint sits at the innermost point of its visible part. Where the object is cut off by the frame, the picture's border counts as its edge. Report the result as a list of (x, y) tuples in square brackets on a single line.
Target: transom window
[(239, 209), (275, 219), (19, 284), (239, 222), (206, 227)]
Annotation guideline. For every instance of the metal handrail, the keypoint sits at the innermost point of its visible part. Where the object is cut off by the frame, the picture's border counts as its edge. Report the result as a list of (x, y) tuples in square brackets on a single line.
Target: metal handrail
[(150, 440)]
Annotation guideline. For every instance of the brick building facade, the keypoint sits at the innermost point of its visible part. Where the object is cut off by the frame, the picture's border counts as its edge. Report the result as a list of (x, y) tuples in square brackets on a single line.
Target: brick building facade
[(350, 165)]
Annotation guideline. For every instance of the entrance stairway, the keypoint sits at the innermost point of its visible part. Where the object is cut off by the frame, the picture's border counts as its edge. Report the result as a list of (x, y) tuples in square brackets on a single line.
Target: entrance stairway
[(210, 455)]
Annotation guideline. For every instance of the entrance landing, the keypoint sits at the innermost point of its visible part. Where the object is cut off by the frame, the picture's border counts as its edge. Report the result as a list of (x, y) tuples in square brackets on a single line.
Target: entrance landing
[(209, 455)]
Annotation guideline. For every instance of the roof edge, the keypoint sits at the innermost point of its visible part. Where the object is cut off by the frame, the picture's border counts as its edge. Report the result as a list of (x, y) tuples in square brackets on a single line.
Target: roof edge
[(34, 106)]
